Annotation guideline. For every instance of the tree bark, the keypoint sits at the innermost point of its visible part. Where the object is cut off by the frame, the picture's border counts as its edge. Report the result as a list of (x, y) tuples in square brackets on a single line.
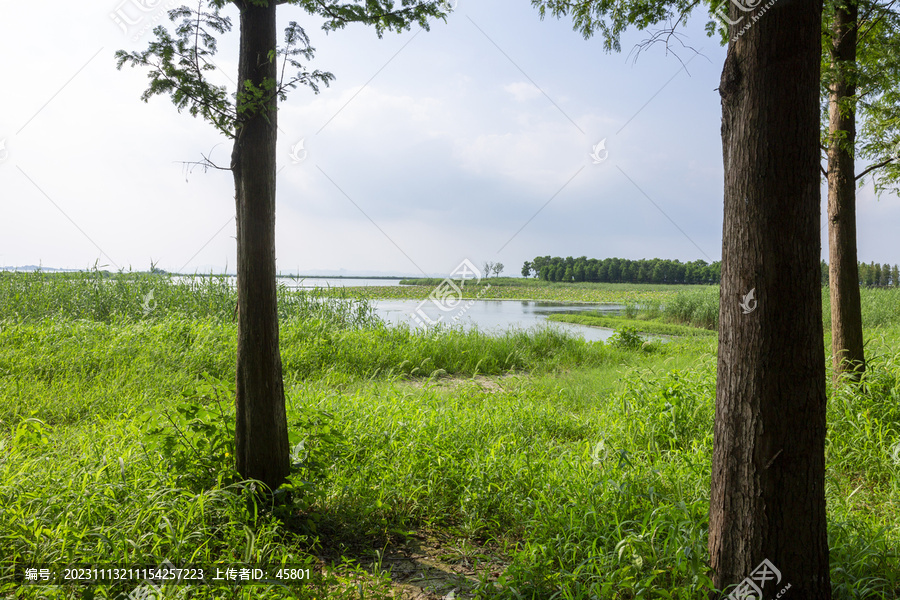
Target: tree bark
[(846, 312), (261, 448), (768, 490)]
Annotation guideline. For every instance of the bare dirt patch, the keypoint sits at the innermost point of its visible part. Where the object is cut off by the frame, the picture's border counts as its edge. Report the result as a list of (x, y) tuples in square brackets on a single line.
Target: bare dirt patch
[(427, 568), (490, 384)]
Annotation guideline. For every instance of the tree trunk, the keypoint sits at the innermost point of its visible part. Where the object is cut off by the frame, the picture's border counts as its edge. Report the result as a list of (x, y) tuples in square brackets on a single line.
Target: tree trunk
[(768, 471), (846, 312), (261, 449)]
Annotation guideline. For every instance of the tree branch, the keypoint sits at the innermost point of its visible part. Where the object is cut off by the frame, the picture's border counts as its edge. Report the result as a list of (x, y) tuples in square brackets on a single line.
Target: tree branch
[(203, 102), (668, 33), (871, 168), (325, 8), (884, 11)]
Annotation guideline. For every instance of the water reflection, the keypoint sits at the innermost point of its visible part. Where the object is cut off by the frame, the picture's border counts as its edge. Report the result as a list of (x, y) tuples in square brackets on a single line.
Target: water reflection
[(499, 315), (308, 283)]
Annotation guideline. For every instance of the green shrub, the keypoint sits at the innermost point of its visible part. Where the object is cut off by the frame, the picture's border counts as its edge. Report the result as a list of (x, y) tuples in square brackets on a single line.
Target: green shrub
[(626, 338), (698, 307), (194, 441)]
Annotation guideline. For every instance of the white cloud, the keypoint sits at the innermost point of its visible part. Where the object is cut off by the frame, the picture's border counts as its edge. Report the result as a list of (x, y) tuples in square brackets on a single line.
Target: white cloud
[(522, 91), (448, 148)]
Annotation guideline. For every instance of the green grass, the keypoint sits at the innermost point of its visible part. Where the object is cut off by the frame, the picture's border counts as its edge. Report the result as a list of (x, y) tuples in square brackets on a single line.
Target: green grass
[(572, 469), (121, 297), (657, 326), (524, 289), (880, 307), (691, 305), (521, 282), (698, 307)]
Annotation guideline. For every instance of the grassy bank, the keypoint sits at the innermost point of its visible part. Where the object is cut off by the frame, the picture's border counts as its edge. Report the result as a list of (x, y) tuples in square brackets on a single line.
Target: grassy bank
[(522, 282), (522, 466), (516, 290), (691, 305), (653, 326), (695, 306)]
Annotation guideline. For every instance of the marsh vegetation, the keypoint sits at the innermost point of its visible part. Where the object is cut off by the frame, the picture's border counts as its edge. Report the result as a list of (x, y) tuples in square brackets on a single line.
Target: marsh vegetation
[(524, 465)]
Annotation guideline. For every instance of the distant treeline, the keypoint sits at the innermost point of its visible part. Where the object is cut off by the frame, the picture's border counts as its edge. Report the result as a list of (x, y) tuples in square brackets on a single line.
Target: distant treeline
[(872, 275), (621, 270), (659, 270)]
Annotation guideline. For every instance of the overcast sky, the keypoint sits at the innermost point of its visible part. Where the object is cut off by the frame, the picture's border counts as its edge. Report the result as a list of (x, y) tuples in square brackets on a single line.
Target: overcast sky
[(471, 141)]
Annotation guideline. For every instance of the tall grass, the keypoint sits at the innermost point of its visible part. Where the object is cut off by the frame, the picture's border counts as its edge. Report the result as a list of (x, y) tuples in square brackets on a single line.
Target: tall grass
[(590, 496), (83, 384), (880, 306), (582, 469), (596, 491), (101, 296), (698, 307), (863, 459), (321, 331)]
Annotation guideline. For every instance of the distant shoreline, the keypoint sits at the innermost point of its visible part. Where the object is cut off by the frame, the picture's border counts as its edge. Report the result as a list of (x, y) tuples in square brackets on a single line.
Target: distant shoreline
[(33, 268)]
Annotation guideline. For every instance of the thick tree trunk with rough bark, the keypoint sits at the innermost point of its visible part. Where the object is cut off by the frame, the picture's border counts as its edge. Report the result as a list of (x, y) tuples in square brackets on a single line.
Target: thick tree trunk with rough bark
[(261, 429), (768, 473), (846, 311)]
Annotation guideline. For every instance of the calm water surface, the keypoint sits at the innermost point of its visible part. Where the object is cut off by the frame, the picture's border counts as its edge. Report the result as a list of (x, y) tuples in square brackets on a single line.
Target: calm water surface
[(326, 282), (495, 316), (499, 315), (314, 282)]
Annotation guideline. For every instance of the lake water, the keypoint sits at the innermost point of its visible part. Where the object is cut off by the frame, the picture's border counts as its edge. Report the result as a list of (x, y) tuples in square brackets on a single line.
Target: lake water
[(326, 282), (498, 315), (488, 315), (314, 282)]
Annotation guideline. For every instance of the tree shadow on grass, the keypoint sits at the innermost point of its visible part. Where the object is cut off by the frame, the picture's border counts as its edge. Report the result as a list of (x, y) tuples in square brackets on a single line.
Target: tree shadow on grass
[(419, 566)]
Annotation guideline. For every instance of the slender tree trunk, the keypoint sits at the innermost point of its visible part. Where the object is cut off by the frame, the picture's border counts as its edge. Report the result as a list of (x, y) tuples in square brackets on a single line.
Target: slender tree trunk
[(768, 471), (846, 311), (261, 429)]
